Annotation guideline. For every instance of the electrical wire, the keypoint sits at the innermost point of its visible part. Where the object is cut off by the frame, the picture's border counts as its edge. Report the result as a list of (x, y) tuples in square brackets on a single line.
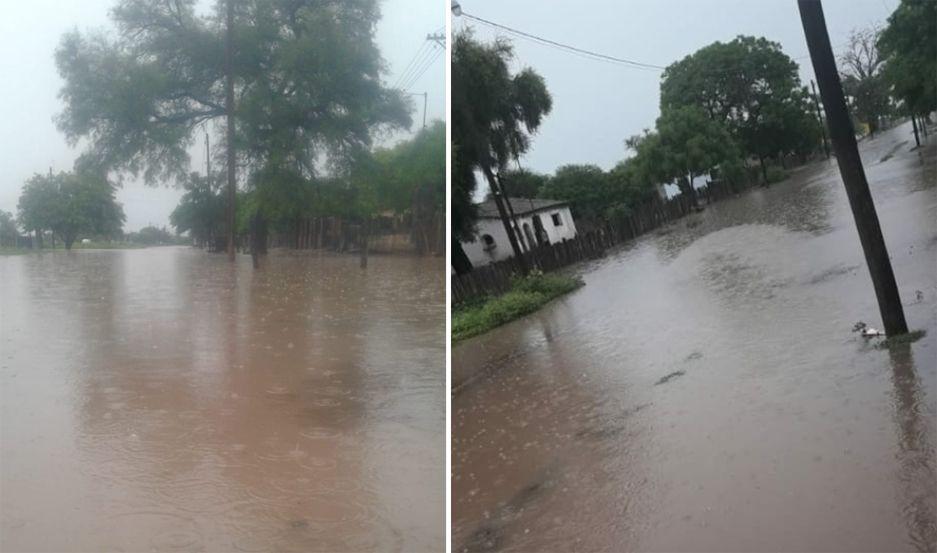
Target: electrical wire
[(422, 69), (572, 49), (424, 51)]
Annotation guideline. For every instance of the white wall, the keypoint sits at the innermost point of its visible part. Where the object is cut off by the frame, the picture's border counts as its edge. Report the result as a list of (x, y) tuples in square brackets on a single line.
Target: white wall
[(493, 227)]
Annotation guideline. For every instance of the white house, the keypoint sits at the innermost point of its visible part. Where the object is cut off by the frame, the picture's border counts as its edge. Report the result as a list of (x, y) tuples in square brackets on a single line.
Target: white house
[(541, 222)]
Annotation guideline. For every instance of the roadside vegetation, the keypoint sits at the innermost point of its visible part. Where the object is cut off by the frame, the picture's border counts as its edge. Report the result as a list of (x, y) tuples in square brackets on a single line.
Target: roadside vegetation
[(527, 295)]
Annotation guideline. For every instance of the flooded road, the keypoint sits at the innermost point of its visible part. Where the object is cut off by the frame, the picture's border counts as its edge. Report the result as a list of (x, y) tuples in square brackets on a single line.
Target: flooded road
[(161, 400), (703, 391)]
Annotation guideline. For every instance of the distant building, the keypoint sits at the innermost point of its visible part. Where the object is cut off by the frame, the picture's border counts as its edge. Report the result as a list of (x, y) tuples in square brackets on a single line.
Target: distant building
[(669, 190), (541, 222)]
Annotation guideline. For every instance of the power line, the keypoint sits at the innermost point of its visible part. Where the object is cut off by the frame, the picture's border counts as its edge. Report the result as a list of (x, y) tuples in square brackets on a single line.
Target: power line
[(421, 70), (423, 51), (567, 47)]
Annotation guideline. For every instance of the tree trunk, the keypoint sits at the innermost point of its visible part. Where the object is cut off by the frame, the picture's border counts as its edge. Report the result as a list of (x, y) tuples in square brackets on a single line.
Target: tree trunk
[(229, 112), (502, 212), (460, 261), (69, 240), (924, 125), (917, 139), (365, 236), (764, 169)]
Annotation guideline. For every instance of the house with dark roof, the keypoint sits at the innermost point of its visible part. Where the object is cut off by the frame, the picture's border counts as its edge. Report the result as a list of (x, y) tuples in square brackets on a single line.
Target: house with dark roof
[(539, 222)]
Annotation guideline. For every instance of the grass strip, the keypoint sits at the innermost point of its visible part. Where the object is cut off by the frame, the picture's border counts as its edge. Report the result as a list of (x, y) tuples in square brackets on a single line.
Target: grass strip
[(525, 296)]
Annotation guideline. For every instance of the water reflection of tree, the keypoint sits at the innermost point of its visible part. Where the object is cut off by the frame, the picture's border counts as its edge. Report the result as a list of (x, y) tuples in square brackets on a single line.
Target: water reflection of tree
[(915, 451)]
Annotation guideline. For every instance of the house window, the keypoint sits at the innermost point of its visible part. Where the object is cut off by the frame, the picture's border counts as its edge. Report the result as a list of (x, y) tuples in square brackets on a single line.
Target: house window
[(557, 220), (488, 242)]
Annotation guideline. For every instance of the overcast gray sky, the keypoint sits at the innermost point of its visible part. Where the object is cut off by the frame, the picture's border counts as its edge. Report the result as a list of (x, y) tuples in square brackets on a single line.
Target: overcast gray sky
[(596, 105), (29, 142)]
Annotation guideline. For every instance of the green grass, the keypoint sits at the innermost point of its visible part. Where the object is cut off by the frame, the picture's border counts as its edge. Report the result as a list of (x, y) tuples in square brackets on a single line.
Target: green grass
[(526, 296)]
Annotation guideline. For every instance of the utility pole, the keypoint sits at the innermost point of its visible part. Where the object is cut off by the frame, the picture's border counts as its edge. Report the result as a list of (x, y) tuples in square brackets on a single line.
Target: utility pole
[(850, 167), (816, 103), (425, 95), (229, 112), (438, 38), (207, 161)]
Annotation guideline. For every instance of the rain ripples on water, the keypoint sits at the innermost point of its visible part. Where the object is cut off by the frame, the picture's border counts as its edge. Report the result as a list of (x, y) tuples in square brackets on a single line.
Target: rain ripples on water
[(164, 400)]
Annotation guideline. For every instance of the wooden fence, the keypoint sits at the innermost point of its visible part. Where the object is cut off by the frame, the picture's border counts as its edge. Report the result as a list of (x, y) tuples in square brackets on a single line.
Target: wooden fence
[(590, 243)]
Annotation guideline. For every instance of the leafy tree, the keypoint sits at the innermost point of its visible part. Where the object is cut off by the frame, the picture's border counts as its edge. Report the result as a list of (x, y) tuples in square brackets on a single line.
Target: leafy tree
[(152, 236), (307, 87), (748, 84), (651, 162), (494, 114), (586, 187), (412, 179), (8, 230), (863, 82), (692, 144), (200, 212), (71, 204), (907, 46), (37, 205), (523, 183), (412, 166)]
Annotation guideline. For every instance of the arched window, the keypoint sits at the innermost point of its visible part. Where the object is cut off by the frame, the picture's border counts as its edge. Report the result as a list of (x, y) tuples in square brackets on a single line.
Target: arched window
[(488, 242)]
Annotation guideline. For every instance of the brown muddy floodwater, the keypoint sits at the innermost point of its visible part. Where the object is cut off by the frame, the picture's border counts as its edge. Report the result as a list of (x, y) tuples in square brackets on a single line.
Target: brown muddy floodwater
[(704, 392), (165, 400)]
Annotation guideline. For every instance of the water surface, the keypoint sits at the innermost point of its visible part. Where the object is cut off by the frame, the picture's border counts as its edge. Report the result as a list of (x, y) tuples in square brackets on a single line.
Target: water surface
[(703, 391), (165, 400)]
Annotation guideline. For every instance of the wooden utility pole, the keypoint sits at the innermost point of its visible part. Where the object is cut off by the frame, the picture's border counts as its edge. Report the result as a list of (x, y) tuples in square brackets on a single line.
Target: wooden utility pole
[(229, 112), (850, 167), (816, 103), (424, 109)]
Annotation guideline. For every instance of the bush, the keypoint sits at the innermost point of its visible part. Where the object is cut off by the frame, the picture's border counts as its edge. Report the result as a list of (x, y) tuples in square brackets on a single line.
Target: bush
[(776, 174), (526, 296)]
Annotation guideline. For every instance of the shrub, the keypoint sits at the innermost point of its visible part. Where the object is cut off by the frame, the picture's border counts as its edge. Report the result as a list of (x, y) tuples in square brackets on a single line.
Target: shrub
[(526, 296), (776, 174)]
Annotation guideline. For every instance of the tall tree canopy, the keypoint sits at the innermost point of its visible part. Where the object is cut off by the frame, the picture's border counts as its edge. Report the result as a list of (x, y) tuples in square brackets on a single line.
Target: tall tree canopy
[(587, 188), (80, 203), (494, 114), (200, 211), (748, 84), (307, 77), (523, 183), (692, 144), (908, 45)]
